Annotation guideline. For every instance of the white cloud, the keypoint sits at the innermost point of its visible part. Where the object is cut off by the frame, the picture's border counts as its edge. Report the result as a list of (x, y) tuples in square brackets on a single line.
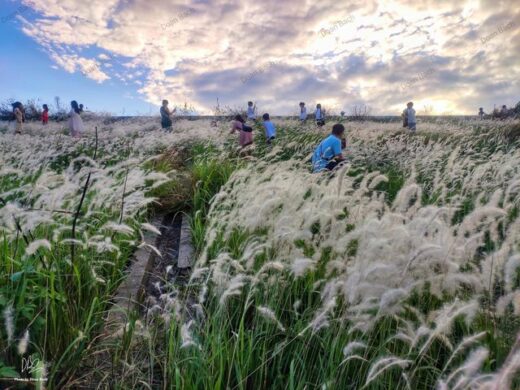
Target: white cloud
[(211, 45)]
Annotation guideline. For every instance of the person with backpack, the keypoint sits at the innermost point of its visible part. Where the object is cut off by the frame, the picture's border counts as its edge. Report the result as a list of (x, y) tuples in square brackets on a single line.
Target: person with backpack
[(45, 114), (19, 116), (75, 121), (166, 116), (328, 154), (270, 129), (245, 132), (319, 115)]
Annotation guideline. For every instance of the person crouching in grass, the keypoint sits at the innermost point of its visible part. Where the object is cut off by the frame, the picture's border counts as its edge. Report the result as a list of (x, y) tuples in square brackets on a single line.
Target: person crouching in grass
[(328, 153), (270, 129), (246, 132)]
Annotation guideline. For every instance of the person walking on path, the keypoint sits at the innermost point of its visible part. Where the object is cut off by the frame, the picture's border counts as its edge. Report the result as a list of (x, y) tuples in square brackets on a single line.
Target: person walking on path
[(319, 115), (245, 132), (75, 121), (19, 116), (409, 119), (45, 114), (166, 116), (327, 154)]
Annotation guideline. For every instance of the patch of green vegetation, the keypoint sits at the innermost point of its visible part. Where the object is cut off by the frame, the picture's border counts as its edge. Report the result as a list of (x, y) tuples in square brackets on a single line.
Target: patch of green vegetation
[(352, 248), (467, 206)]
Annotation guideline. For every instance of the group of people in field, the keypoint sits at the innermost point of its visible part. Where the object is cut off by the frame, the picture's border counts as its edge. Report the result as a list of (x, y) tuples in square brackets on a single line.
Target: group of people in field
[(502, 113), (75, 121)]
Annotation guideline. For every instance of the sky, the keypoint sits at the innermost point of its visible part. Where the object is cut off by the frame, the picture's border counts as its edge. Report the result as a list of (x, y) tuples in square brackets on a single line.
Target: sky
[(125, 56)]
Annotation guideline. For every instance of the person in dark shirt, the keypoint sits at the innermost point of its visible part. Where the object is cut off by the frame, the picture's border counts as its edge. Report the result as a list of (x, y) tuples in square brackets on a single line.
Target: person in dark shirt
[(166, 116)]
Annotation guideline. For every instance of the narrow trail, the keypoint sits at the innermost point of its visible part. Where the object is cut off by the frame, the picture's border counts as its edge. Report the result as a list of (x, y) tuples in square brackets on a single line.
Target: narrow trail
[(161, 293), (166, 281)]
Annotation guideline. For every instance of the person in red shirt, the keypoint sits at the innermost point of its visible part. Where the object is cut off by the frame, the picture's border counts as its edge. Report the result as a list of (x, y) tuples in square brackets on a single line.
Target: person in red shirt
[(45, 114)]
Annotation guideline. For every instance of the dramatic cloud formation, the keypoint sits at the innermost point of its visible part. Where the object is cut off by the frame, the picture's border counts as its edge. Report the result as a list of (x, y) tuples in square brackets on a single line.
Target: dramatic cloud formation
[(449, 57)]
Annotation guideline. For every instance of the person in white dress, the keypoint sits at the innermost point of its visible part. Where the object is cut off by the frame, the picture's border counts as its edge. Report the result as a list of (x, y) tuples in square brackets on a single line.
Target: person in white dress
[(75, 121)]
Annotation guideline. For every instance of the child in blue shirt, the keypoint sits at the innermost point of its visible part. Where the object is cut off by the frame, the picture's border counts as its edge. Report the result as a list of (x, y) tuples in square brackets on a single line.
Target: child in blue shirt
[(328, 153), (270, 129)]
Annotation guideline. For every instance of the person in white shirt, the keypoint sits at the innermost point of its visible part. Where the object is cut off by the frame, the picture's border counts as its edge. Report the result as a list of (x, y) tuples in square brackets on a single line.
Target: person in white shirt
[(409, 117), (251, 111), (303, 112), (319, 115)]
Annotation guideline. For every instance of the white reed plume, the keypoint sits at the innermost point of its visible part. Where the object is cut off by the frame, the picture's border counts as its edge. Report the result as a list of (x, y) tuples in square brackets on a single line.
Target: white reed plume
[(383, 364), (23, 343), (9, 323), (151, 228), (270, 316), (35, 245), (186, 335)]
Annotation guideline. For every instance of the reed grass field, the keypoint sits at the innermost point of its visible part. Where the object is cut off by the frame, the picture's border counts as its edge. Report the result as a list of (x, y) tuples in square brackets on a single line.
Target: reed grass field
[(399, 270)]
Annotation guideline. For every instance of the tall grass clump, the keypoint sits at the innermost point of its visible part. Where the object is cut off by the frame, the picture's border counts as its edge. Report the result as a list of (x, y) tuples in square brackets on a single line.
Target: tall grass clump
[(358, 279)]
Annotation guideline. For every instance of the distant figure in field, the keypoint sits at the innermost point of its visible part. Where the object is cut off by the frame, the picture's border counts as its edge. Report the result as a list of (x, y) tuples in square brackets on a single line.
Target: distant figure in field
[(481, 113), (319, 115), (503, 112), (81, 109), (245, 132), (19, 116), (303, 112), (45, 114), (75, 121), (409, 119), (270, 129), (166, 116), (328, 153), (251, 111)]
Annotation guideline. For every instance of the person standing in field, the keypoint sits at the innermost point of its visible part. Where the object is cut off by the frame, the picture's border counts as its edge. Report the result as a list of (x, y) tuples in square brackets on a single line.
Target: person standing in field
[(319, 115), (409, 119), (45, 114), (328, 153), (245, 132), (503, 112), (19, 116), (481, 113), (303, 112), (81, 109), (270, 129), (166, 116), (75, 121), (251, 111)]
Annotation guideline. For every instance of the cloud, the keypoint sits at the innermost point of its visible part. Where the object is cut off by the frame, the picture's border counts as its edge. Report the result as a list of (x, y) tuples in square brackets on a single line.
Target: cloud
[(200, 50)]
